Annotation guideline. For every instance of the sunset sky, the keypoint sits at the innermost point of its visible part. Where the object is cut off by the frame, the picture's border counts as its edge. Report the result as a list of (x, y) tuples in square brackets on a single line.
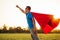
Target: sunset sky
[(12, 16)]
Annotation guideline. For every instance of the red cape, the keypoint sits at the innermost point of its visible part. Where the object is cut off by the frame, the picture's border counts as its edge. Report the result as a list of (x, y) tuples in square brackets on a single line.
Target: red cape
[(46, 21)]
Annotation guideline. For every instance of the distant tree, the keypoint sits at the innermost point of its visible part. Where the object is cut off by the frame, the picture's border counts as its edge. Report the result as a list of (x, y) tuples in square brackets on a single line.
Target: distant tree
[(0, 30), (18, 29), (11, 30), (4, 30), (25, 30)]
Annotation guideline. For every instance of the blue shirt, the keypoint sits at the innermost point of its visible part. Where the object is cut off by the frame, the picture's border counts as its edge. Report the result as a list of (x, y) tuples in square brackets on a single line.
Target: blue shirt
[(29, 20)]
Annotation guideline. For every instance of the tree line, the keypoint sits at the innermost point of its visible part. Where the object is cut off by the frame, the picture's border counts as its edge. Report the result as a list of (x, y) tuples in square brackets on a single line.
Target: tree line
[(20, 30), (15, 30)]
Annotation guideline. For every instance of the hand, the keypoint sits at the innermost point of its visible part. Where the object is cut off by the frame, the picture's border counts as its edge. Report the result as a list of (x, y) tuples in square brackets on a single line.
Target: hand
[(17, 6)]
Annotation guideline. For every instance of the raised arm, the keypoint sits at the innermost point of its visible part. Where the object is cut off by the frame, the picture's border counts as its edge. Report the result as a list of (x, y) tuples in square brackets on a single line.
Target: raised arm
[(20, 9)]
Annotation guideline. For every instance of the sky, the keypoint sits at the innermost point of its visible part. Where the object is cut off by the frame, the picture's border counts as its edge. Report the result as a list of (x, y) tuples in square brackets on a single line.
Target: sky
[(12, 16)]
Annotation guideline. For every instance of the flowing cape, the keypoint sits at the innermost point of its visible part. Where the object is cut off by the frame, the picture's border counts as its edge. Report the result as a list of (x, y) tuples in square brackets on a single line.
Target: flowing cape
[(46, 21)]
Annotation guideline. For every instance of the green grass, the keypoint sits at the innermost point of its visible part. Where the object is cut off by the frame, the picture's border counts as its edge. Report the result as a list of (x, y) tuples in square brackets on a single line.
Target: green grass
[(22, 36)]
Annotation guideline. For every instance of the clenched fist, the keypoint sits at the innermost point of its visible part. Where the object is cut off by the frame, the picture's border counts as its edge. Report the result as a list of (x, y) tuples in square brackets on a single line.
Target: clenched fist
[(17, 6)]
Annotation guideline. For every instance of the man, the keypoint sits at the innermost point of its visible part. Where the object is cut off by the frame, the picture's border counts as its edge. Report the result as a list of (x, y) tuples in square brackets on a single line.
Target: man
[(30, 21)]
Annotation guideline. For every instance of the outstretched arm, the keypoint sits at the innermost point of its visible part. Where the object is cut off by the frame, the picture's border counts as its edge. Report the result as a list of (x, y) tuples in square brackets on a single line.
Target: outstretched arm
[(20, 9)]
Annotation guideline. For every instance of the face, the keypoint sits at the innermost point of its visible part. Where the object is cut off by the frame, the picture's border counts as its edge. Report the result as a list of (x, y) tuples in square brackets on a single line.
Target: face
[(27, 9)]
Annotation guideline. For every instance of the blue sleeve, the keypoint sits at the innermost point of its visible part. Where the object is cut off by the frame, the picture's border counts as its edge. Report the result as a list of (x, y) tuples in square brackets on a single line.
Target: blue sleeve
[(31, 15)]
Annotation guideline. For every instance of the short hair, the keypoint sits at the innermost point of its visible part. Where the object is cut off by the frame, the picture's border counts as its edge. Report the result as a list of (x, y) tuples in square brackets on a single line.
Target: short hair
[(28, 7)]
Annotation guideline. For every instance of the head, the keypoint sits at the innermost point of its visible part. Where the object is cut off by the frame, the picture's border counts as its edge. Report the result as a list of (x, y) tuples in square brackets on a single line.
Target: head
[(28, 8)]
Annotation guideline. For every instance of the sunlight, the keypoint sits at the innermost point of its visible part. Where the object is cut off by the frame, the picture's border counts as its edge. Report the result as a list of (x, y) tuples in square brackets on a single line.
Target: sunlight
[(56, 16), (13, 17)]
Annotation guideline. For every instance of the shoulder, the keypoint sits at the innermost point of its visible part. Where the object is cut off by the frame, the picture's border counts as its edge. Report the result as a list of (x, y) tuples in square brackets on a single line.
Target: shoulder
[(29, 13)]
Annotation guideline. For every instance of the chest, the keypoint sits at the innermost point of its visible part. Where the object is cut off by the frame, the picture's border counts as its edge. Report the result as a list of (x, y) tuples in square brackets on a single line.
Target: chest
[(28, 16)]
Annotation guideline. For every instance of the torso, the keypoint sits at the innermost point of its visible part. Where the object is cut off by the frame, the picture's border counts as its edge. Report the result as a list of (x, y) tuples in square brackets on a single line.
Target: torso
[(29, 20)]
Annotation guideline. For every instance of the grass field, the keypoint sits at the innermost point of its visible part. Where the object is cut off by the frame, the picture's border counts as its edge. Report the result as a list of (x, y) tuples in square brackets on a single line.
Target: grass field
[(22, 36)]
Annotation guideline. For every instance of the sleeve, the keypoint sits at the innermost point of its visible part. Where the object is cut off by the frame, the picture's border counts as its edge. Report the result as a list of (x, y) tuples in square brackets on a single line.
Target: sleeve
[(31, 16)]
